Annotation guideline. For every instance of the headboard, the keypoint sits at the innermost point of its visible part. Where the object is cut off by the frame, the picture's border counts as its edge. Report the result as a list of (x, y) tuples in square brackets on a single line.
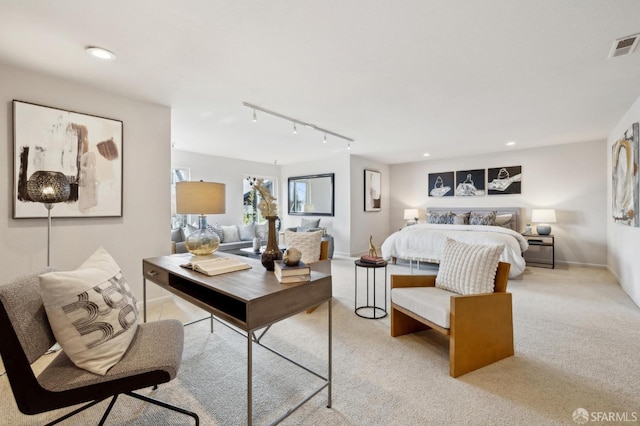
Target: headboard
[(514, 211)]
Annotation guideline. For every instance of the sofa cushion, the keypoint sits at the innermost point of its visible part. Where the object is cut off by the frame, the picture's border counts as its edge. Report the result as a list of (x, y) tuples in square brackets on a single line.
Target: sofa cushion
[(431, 303), (92, 312), (216, 229), (231, 234), (468, 268), (307, 242), (177, 235), (262, 230), (309, 223), (247, 232)]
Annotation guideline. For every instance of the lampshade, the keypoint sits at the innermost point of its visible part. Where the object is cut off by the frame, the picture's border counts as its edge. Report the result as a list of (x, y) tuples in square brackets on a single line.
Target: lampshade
[(48, 187), (201, 198), (410, 214), (543, 217)]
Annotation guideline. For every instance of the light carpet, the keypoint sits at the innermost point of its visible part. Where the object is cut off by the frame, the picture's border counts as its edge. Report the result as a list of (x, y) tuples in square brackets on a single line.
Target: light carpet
[(577, 343)]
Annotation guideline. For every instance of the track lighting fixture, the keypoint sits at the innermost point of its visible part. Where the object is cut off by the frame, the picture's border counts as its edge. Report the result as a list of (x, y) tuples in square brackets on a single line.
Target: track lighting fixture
[(295, 122)]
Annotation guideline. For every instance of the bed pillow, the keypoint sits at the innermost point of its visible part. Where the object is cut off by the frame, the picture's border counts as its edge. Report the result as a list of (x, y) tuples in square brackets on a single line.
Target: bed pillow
[(92, 312), (440, 218), (307, 242), (231, 234), (482, 218), (468, 268), (461, 218), (504, 220)]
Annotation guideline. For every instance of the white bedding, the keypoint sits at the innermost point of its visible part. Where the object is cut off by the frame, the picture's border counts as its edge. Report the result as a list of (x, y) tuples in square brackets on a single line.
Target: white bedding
[(425, 242)]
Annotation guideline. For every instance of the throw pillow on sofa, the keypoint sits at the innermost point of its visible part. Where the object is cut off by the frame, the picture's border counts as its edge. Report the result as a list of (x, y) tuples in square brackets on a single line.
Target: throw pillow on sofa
[(262, 230), (247, 232), (309, 223), (231, 234), (216, 229)]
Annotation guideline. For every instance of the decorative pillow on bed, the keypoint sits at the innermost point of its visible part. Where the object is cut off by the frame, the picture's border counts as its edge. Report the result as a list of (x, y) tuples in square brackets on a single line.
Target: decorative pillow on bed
[(482, 219), (440, 218), (468, 268), (461, 218), (92, 312), (504, 220)]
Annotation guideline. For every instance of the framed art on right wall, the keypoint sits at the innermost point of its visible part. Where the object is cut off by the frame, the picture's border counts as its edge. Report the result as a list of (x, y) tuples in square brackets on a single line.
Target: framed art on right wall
[(624, 178), (372, 190)]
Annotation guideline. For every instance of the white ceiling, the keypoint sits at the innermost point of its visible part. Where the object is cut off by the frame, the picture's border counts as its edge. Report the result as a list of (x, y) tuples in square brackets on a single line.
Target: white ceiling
[(448, 77)]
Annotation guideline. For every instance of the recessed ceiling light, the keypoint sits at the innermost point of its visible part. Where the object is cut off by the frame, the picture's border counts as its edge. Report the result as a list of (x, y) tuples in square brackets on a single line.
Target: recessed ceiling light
[(426, 154), (101, 53), (510, 143)]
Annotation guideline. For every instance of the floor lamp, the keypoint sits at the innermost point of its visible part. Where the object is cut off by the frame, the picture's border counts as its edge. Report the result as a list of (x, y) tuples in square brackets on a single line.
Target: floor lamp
[(48, 187)]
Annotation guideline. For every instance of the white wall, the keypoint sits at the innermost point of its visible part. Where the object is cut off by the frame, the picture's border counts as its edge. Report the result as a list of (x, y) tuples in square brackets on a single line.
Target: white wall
[(570, 178), (143, 229), (339, 224), (229, 171), (623, 241), (365, 224)]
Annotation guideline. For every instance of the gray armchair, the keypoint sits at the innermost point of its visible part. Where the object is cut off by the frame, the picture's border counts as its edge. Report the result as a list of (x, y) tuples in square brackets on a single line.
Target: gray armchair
[(153, 358)]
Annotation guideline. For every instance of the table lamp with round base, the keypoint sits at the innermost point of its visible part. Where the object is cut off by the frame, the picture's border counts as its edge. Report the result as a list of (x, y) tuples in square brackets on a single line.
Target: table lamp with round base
[(201, 198), (543, 217)]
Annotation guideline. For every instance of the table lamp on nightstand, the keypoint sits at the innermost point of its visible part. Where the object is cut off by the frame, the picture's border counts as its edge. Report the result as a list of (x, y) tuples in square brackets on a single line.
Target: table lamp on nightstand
[(201, 198), (411, 216), (543, 217)]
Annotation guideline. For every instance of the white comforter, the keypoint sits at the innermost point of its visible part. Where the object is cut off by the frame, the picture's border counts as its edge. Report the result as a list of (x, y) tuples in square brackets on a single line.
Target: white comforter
[(425, 242)]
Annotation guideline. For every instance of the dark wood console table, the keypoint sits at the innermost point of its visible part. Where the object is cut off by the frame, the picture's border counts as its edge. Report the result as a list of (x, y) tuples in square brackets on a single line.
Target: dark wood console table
[(250, 300)]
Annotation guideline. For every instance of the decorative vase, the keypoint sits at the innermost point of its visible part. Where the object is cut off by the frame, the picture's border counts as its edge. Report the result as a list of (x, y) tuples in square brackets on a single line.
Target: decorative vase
[(272, 251)]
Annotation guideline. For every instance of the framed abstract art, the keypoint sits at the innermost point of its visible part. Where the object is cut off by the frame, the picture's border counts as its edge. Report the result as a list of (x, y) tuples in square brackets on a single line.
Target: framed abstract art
[(624, 170), (87, 149)]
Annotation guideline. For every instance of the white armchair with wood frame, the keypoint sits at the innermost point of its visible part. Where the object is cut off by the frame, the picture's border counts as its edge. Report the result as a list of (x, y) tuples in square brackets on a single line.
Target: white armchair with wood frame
[(479, 326)]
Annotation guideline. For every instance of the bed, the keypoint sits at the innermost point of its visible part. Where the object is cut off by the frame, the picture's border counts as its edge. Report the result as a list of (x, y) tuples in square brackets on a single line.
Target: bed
[(423, 242)]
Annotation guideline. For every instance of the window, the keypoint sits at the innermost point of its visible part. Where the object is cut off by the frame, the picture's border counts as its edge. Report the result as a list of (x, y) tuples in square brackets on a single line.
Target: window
[(178, 175), (251, 198)]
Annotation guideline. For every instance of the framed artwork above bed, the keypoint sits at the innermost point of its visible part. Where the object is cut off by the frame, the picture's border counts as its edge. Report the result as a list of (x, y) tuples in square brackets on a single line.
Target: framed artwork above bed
[(441, 184), (504, 180), (470, 183)]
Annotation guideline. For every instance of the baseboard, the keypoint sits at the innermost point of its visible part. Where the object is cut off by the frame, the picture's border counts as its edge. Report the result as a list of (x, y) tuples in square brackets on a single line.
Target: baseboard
[(156, 301), (581, 264)]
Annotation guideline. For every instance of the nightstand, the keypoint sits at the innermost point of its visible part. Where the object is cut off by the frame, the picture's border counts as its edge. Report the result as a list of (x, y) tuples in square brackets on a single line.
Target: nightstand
[(541, 252)]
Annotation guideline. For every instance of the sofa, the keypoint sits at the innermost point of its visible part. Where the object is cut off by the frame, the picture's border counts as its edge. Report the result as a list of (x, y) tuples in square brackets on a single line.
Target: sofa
[(311, 225), (232, 237)]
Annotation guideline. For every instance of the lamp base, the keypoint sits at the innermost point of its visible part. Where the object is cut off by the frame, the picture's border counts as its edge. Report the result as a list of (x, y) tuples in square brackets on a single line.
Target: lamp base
[(543, 229), (202, 242)]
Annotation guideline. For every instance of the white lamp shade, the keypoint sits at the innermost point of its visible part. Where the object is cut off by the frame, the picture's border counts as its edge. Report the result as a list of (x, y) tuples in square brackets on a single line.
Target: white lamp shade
[(543, 216), (410, 214), (200, 198)]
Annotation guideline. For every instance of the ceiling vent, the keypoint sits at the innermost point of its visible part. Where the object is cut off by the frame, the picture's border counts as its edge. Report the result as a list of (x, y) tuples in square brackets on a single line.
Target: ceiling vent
[(624, 46)]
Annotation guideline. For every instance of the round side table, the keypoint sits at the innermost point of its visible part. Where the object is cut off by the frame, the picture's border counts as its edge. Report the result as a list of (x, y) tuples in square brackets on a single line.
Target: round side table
[(375, 311)]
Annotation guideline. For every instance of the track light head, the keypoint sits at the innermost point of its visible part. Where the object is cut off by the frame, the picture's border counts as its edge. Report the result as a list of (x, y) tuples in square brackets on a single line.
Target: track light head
[(349, 146), (325, 138), (254, 116), (295, 130)]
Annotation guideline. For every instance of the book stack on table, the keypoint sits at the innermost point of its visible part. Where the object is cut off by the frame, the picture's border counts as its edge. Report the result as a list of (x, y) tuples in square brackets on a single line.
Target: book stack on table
[(374, 260), (291, 274)]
